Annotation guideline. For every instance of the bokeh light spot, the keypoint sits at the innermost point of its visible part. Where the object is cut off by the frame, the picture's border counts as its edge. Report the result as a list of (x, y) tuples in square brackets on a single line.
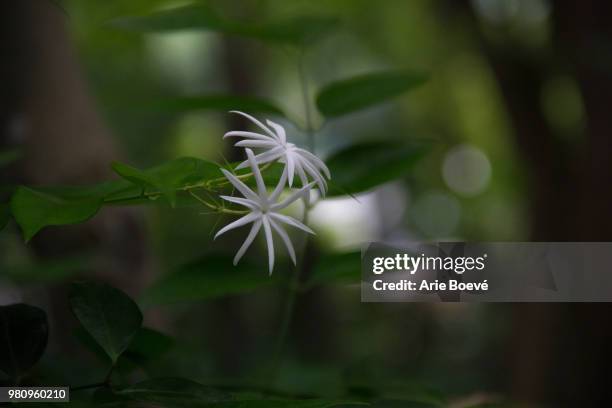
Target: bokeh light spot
[(466, 170)]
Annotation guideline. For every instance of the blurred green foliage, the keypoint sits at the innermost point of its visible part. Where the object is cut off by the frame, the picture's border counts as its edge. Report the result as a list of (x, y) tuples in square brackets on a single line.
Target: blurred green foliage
[(161, 73)]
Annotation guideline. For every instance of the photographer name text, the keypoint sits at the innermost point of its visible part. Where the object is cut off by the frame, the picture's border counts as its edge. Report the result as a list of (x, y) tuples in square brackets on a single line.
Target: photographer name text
[(414, 264)]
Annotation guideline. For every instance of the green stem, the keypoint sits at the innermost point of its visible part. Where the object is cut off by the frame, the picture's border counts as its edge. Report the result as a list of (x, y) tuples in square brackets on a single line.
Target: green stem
[(214, 207), (207, 185), (293, 289), (222, 181), (294, 282), (306, 101), (285, 322)]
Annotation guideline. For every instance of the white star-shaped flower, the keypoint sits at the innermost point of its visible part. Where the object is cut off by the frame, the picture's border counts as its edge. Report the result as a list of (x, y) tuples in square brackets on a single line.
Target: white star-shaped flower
[(275, 147), (264, 211)]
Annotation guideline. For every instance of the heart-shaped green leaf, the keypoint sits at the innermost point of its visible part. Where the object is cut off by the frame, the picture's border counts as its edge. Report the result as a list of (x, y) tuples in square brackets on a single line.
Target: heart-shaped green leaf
[(214, 102), (23, 338), (350, 95), (34, 210), (148, 345), (298, 31), (211, 277), (359, 168), (109, 316), (171, 176)]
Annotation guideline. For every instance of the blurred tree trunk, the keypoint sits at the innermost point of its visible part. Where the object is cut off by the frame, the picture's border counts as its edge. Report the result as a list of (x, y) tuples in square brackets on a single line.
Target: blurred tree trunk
[(560, 353), (48, 112)]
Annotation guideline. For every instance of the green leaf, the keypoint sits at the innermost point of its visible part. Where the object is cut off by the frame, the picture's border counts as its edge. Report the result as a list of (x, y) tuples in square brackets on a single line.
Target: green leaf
[(211, 277), (337, 268), (298, 31), (148, 345), (170, 176), (215, 102), (188, 17), (34, 210), (91, 345), (398, 393), (97, 191), (289, 403), (5, 215), (107, 314), (400, 403), (183, 393), (173, 393), (362, 167), (360, 92), (23, 338)]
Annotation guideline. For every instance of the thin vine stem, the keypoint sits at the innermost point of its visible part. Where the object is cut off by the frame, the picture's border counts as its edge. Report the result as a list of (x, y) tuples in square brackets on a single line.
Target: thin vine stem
[(306, 101), (215, 208), (292, 292), (208, 185), (294, 283)]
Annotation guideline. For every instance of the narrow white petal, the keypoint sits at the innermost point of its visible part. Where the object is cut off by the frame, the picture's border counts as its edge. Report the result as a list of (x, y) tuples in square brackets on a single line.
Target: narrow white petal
[(314, 173), (242, 165), (269, 242), (290, 221), (256, 143), (258, 123), (248, 241), (242, 201), (265, 157), (290, 166), (279, 187), (304, 181), (315, 160), (238, 223), (302, 192), (243, 188), (261, 187), (249, 135), (300, 171), (280, 131), (285, 237), (269, 155)]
